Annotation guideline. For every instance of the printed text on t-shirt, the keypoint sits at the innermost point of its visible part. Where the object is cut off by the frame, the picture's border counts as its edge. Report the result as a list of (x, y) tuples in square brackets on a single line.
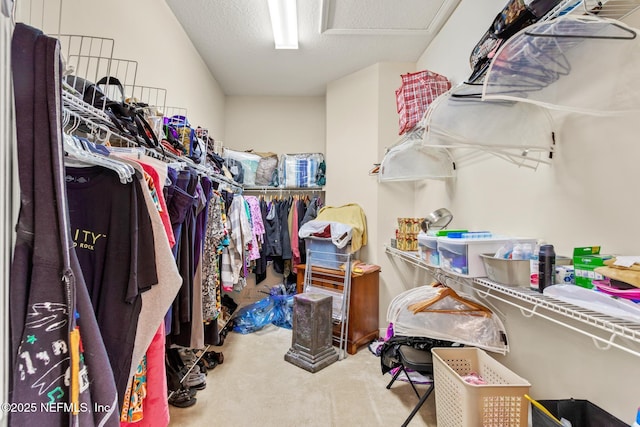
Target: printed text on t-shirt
[(86, 239)]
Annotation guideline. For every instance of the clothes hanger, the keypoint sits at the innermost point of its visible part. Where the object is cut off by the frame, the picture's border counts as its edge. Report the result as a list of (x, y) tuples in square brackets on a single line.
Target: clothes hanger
[(66, 116), (76, 150), (178, 166), (124, 170), (473, 308)]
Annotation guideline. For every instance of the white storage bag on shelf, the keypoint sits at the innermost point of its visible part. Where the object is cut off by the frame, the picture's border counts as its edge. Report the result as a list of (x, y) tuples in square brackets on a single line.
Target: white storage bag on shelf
[(301, 170), (249, 164)]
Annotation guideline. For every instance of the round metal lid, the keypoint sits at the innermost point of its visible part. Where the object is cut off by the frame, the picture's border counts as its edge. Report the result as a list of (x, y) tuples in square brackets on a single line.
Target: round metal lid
[(437, 219)]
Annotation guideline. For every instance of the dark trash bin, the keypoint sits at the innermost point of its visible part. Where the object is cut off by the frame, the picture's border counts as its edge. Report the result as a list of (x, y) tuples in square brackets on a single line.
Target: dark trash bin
[(581, 413)]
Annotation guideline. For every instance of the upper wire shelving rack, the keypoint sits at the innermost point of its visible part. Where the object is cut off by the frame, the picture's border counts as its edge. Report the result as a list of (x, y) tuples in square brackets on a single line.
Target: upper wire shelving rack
[(485, 116), (91, 58)]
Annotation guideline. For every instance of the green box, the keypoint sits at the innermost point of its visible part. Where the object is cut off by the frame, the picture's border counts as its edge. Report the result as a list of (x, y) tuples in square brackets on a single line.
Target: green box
[(441, 233), (585, 261)]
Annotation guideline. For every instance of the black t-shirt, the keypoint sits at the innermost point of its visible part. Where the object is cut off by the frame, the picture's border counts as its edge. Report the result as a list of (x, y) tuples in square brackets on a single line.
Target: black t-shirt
[(111, 230)]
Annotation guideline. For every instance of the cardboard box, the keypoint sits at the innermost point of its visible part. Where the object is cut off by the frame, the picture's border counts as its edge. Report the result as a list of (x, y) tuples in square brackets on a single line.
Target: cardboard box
[(585, 260), (407, 241)]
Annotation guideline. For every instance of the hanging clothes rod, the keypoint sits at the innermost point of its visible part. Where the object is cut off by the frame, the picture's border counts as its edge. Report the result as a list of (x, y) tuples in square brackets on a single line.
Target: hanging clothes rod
[(266, 189)]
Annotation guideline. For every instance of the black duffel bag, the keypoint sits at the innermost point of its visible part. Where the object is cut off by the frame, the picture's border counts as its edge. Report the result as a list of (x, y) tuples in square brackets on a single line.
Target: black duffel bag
[(515, 16), (128, 118)]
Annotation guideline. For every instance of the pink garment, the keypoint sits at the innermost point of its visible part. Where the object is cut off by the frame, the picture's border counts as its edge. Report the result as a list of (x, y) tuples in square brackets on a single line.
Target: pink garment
[(474, 378), (164, 214), (155, 405), (257, 226), (295, 240)]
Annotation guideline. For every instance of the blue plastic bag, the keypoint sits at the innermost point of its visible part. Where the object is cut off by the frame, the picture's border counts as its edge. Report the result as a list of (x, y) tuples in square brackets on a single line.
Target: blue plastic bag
[(283, 311), (275, 309)]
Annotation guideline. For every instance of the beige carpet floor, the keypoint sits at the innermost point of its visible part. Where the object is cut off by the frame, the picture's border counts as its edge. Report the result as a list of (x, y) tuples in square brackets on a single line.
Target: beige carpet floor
[(255, 386)]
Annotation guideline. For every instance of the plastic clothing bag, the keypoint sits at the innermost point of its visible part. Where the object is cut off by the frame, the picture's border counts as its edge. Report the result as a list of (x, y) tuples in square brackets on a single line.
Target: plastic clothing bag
[(514, 16), (248, 161), (551, 63), (520, 132), (236, 170), (275, 309), (301, 170), (486, 332), (267, 169), (410, 160)]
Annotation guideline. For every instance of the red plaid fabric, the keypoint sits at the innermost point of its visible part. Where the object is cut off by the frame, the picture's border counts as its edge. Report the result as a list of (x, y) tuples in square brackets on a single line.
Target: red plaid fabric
[(417, 92)]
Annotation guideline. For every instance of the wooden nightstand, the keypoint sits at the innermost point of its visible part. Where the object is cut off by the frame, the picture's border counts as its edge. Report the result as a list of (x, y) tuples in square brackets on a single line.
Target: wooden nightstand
[(363, 307)]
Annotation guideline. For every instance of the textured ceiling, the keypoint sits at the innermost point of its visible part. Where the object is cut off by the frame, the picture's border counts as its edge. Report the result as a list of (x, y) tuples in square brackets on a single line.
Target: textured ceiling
[(337, 37)]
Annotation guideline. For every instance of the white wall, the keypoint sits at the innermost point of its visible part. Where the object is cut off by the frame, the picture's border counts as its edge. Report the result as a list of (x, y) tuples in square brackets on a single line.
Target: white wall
[(277, 124), (145, 31), (583, 198), (394, 200), (361, 124), (352, 145)]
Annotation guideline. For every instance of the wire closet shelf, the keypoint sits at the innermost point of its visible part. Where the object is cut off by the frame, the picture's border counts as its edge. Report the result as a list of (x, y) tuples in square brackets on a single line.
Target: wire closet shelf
[(605, 331)]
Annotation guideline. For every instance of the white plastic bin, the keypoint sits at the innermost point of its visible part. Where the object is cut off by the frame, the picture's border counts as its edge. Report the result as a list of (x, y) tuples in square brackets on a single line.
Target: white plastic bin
[(428, 249), (462, 256)]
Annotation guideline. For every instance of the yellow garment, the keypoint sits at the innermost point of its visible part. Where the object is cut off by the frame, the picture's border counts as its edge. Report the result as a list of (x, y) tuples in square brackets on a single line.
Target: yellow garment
[(351, 214), (74, 347)]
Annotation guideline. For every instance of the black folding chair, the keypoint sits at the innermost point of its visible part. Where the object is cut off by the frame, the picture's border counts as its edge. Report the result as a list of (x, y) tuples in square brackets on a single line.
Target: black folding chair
[(419, 361)]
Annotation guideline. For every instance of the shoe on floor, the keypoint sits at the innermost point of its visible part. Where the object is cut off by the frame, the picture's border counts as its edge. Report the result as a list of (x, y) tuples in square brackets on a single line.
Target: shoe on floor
[(212, 359), (218, 357), (196, 380), (208, 363), (182, 399), (192, 391)]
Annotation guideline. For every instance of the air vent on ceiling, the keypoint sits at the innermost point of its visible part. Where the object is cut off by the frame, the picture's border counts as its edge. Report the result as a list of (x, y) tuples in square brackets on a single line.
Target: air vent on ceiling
[(384, 17)]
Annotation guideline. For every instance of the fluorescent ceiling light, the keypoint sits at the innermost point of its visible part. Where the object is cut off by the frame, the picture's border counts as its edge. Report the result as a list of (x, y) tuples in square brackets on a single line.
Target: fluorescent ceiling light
[(284, 21)]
